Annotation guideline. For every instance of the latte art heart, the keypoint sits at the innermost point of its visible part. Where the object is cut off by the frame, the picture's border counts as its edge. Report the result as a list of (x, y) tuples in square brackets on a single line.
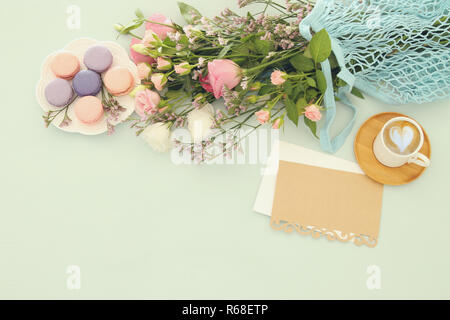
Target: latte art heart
[(402, 137)]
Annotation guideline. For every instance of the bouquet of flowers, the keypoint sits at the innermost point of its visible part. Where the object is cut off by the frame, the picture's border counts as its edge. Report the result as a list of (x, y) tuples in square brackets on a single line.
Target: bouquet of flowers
[(262, 67)]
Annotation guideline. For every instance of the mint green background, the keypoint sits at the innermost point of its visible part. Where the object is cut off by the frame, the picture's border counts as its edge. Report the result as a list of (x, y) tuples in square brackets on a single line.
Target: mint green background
[(141, 227)]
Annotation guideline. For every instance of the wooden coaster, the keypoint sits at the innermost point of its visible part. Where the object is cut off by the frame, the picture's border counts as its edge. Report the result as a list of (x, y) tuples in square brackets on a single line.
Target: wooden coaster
[(369, 163)]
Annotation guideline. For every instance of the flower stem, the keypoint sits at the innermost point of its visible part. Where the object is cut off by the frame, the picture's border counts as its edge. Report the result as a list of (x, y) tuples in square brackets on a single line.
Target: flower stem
[(249, 71)]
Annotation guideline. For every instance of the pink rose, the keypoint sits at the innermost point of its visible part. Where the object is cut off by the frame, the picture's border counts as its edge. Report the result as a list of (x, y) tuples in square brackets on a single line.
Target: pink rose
[(223, 73), (182, 68), (159, 29), (263, 116), (312, 112), (159, 81), (204, 81), (277, 124), (137, 57), (278, 77), (163, 64), (146, 102), (143, 70)]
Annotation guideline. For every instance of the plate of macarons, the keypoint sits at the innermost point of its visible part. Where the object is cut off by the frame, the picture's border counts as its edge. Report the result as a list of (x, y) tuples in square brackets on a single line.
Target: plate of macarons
[(77, 78)]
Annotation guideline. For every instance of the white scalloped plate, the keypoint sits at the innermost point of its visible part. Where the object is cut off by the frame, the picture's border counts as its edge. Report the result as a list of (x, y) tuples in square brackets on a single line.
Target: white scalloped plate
[(78, 47)]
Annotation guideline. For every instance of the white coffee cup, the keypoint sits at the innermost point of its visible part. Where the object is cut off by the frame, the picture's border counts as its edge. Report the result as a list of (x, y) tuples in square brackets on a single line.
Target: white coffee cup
[(392, 159)]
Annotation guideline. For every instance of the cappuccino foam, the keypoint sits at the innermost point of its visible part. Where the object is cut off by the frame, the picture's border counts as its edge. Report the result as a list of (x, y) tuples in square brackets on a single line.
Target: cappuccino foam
[(402, 137)]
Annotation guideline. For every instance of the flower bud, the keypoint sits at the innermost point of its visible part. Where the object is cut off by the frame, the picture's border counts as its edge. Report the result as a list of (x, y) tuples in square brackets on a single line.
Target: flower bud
[(183, 68), (151, 39), (140, 48), (278, 123), (164, 64), (252, 99), (118, 27), (256, 86), (159, 80)]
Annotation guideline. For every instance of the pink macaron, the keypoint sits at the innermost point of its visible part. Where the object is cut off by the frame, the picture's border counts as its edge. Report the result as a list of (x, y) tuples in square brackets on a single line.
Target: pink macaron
[(118, 81), (89, 109), (65, 65)]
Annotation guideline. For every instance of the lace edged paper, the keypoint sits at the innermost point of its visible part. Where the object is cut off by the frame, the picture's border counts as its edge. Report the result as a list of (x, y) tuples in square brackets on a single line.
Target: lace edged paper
[(316, 233)]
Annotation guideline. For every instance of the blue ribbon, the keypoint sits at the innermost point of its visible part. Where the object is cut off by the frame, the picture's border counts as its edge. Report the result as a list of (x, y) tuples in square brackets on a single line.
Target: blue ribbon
[(329, 144)]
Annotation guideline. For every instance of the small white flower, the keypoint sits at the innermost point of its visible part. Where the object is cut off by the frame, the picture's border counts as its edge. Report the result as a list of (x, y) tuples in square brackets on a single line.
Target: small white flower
[(157, 136), (201, 62), (200, 122), (222, 41)]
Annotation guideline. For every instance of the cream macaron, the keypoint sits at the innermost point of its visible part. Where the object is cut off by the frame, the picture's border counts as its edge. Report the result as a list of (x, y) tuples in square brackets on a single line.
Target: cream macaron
[(89, 109), (65, 65), (118, 81)]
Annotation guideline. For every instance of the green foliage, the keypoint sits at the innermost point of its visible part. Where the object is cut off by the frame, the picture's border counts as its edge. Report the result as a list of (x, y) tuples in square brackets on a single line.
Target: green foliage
[(224, 51), (269, 88), (292, 111), (357, 93), (263, 47), (312, 126), (139, 14), (302, 63), (320, 46), (321, 81), (186, 11), (311, 82), (311, 94), (301, 105)]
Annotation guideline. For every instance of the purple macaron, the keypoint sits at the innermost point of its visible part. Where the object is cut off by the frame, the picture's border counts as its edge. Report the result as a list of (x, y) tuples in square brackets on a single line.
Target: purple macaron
[(98, 59), (59, 92), (87, 83)]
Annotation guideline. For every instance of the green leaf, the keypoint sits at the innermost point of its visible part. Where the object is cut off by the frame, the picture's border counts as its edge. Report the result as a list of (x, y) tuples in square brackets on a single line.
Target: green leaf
[(139, 14), (334, 64), (340, 83), (169, 42), (301, 104), (186, 11), (311, 82), (307, 52), (311, 94), (292, 111), (252, 36), (131, 27), (267, 89), (321, 81), (299, 91), (184, 40), (224, 51), (320, 46), (302, 63), (263, 47), (312, 126), (288, 88), (357, 93), (241, 49)]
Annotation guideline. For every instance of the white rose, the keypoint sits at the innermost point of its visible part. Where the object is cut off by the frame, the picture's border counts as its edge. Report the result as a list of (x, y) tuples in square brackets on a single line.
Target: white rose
[(157, 136), (200, 122)]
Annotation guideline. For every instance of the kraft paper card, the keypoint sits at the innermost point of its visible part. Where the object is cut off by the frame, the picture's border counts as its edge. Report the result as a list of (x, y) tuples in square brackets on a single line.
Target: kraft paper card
[(320, 195)]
